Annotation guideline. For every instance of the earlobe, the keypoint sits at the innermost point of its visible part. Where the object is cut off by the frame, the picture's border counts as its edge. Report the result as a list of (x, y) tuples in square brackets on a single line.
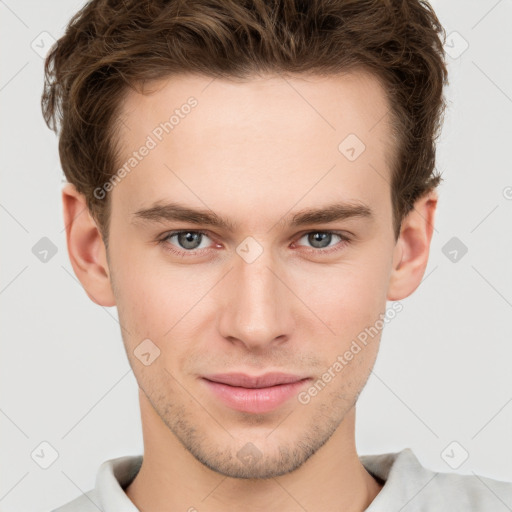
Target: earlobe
[(410, 258), (86, 249)]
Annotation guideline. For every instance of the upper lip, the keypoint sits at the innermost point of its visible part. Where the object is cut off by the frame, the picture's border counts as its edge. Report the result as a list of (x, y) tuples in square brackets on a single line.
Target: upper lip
[(255, 381)]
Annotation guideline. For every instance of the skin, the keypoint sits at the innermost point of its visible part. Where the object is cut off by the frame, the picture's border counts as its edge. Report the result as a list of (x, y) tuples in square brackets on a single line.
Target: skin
[(267, 145)]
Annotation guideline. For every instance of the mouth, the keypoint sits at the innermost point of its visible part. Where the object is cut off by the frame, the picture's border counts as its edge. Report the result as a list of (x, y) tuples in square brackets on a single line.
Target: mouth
[(254, 394)]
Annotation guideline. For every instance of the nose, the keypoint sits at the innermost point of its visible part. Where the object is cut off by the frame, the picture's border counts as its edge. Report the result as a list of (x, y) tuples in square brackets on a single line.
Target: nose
[(256, 307)]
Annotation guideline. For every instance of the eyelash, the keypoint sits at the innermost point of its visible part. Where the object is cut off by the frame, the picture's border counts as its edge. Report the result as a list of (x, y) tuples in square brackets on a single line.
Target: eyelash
[(183, 253)]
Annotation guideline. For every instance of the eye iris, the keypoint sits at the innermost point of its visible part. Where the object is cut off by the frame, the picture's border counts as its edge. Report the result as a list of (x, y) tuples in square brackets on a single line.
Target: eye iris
[(315, 238), (188, 239)]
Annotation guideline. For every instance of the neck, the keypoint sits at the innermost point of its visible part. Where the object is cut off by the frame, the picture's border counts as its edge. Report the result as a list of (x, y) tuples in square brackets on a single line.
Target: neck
[(170, 477)]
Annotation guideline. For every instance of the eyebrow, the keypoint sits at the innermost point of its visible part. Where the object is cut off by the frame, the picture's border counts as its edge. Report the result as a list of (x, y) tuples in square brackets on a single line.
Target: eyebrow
[(177, 212)]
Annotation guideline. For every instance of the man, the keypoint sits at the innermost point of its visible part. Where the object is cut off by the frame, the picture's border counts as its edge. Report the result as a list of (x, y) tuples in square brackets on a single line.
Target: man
[(249, 183)]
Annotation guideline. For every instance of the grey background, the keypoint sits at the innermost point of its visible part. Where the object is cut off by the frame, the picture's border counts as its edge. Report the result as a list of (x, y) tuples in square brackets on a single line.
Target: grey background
[(443, 372)]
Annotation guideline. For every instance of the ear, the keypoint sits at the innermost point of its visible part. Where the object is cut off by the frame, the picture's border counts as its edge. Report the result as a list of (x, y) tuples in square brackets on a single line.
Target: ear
[(411, 252), (86, 249)]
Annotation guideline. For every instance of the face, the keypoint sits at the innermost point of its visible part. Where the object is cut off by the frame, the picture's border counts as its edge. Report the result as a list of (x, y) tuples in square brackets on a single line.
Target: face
[(245, 241)]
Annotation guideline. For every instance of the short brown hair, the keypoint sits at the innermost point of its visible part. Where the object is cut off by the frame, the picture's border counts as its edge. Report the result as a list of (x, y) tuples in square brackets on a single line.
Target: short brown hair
[(113, 45)]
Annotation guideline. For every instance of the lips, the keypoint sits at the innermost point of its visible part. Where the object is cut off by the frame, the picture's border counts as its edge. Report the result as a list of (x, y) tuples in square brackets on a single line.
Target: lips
[(246, 381), (254, 394)]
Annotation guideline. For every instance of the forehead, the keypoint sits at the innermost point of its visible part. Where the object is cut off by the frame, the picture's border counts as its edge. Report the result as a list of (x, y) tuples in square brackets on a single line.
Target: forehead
[(259, 142), (351, 101)]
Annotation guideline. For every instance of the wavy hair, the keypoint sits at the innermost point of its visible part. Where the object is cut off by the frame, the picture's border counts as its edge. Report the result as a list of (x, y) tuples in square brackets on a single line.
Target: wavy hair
[(110, 46)]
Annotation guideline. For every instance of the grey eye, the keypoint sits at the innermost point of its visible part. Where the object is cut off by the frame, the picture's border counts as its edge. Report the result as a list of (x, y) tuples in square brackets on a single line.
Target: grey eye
[(189, 239), (319, 240)]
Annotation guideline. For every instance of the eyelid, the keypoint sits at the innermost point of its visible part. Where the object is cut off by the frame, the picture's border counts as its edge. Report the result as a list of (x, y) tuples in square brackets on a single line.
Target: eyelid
[(168, 234), (343, 234), (345, 237), (344, 240)]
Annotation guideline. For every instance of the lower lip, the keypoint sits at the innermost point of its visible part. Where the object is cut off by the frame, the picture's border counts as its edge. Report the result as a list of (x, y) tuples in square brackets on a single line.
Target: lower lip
[(255, 400)]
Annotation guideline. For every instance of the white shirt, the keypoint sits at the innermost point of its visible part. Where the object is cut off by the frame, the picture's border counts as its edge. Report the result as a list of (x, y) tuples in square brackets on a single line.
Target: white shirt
[(408, 487)]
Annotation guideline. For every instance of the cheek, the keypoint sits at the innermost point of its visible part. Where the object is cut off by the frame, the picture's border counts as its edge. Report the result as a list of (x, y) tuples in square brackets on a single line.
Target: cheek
[(347, 297), (150, 310), (141, 295), (161, 302), (149, 307)]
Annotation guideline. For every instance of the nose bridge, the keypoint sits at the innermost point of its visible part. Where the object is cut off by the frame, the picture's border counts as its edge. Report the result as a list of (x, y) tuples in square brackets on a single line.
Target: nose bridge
[(258, 311)]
